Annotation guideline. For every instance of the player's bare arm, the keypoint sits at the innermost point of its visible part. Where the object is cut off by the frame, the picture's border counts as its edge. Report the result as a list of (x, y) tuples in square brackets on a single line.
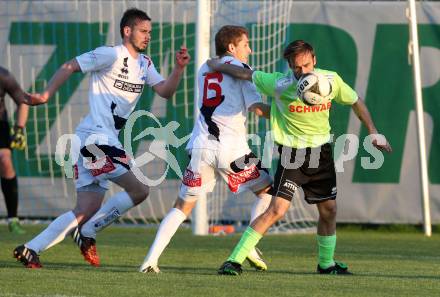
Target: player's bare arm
[(14, 90), (232, 70), (260, 109), (62, 74), (361, 111), (168, 87), (22, 114), (11, 86)]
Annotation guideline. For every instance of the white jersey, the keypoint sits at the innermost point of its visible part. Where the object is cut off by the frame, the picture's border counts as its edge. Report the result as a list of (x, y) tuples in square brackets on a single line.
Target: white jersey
[(116, 83), (223, 103)]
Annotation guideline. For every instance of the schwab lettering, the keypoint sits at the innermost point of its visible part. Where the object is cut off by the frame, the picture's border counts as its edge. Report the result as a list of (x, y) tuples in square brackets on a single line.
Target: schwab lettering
[(312, 108)]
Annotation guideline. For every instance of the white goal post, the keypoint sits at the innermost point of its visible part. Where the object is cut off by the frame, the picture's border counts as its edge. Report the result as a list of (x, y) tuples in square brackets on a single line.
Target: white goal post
[(267, 32), (413, 49), (200, 220)]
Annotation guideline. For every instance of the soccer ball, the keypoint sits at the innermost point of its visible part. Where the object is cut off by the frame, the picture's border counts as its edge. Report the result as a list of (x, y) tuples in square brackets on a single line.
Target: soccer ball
[(314, 88)]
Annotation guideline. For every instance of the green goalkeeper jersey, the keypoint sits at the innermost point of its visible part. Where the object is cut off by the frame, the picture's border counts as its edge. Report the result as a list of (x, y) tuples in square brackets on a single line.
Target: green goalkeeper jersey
[(294, 123)]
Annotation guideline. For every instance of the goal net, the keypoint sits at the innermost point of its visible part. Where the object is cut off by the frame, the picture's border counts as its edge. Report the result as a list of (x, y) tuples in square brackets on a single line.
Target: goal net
[(267, 23)]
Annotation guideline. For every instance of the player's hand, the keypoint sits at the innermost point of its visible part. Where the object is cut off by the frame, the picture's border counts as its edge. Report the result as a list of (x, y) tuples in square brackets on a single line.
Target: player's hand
[(380, 142), (35, 98), (182, 57), (18, 139), (213, 63)]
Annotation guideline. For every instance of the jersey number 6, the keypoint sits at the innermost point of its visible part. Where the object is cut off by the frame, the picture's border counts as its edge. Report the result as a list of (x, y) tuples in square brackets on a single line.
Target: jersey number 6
[(212, 85)]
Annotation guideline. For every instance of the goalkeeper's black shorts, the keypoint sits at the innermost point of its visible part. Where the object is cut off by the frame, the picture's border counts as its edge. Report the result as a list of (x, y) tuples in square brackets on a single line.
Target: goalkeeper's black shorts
[(312, 169), (5, 135)]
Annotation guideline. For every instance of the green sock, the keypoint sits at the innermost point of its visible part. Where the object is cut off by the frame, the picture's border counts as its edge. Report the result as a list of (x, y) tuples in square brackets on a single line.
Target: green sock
[(248, 240), (326, 248)]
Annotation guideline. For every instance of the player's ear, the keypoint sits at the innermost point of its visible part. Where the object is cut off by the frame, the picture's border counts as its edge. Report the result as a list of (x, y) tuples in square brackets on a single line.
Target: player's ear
[(127, 31), (314, 61), (231, 47)]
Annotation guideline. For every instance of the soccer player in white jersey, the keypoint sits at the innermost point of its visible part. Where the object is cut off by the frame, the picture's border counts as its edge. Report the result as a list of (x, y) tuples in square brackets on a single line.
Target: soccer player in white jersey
[(218, 144), (118, 75)]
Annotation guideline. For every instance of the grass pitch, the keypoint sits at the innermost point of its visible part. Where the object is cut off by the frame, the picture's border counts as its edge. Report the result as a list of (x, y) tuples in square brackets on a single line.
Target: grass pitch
[(384, 263)]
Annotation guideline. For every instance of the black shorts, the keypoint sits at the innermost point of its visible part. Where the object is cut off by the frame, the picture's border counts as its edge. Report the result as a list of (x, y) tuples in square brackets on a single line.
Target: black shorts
[(313, 169), (5, 135)]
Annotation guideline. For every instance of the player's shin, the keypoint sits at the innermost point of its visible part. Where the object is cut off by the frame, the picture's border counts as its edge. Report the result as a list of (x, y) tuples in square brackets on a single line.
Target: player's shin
[(248, 241), (54, 233), (260, 205), (166, 231), (326, 250), (255, 255), (110, 211)]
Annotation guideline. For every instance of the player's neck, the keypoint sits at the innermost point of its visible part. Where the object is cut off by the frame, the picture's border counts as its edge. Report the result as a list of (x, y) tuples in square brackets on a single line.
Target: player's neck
[(131, 50), (228, 55)]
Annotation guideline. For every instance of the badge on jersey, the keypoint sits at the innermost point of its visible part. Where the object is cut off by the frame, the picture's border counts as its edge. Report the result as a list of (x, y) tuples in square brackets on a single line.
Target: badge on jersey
[(100, 166), (192, 179), (236, 179)]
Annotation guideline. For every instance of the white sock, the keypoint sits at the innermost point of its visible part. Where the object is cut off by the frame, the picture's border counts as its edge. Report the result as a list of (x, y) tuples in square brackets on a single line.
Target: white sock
[(12, 219), (166, 231), (54, 233), (111, 210), (260, 205)]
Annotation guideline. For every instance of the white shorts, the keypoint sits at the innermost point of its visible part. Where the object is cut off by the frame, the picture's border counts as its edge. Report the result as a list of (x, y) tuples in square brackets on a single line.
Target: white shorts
[(240, 169), (98, 168)]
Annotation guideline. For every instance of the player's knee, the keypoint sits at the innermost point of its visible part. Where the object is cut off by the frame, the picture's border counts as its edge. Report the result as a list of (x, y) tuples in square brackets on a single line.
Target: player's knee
[(275, 213), (332, 210), (328, 212), (139, 194), (5, 160), (84, 212), (185, 205), (143, 193)]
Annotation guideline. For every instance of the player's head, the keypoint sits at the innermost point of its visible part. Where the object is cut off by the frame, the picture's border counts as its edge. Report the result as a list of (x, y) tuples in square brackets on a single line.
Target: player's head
[(233, 40), (135, 28), (300, 56)]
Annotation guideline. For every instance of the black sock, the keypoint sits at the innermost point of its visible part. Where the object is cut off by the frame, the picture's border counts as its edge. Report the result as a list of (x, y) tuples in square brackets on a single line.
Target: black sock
[(10, 191)]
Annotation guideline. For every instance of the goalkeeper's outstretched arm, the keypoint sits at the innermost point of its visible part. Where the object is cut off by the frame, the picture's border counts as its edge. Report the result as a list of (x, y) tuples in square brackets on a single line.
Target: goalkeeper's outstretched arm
[(232, 70)]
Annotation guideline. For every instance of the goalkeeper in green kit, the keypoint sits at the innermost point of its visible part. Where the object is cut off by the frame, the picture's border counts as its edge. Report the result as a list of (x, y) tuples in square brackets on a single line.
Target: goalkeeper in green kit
[(301, 132), (11, 139)]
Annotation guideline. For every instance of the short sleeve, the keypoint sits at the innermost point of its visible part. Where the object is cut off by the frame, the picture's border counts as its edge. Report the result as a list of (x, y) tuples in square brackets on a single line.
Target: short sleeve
[(345, 94), (97, 59), (153, 76), (265, 82), (250, 93)]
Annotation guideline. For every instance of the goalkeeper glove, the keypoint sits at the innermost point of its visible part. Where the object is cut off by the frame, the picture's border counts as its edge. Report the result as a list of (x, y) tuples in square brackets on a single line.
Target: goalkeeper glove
[(18, 139)]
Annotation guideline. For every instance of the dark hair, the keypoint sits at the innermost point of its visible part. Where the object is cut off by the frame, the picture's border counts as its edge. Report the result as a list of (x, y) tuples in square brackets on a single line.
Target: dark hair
[(296, 48), (131, 17), (227, 35)]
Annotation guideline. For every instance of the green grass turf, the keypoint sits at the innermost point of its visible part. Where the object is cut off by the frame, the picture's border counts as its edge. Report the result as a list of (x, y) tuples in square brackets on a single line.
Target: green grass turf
[(384, 263)]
